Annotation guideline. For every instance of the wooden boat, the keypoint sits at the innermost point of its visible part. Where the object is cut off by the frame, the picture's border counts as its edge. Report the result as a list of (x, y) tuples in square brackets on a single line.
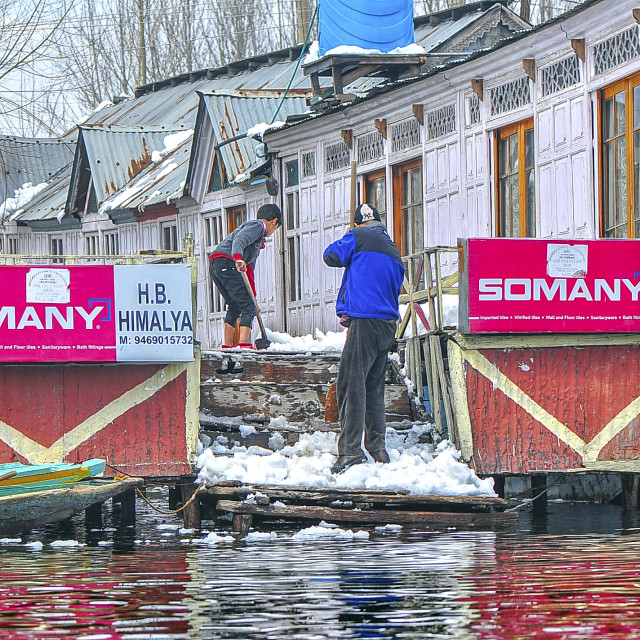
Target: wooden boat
[(23, 511), (16, 477)]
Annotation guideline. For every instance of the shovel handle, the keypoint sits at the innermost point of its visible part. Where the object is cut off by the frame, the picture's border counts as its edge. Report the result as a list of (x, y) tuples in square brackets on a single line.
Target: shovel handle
[(245, 277)]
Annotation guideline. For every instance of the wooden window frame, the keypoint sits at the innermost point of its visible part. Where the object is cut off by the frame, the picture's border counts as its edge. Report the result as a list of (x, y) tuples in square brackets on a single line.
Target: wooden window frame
[(232, 214), (399, 233), (172, 227), (519, 128), (626, 85)]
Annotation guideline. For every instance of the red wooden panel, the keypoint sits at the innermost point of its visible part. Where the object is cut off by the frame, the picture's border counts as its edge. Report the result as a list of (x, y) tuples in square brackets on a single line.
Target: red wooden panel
[(583, 388), (46, 402)]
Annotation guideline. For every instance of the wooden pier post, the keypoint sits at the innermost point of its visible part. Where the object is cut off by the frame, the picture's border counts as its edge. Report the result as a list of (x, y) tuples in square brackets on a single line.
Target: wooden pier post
[(93, 516), (629, 491), (191, 513), (539, 493), (242, 523), (127, 502)]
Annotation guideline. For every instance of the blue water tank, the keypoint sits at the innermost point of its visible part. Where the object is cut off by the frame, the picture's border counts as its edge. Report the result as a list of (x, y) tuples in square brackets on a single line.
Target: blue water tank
[(368, 24)]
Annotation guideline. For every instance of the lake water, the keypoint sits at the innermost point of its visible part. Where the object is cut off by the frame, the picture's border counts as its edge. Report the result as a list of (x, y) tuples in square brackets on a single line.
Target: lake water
[(574, 574)]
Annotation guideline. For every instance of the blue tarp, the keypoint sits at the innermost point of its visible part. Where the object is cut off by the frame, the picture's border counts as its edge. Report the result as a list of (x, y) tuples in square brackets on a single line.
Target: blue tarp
[(369, 24)]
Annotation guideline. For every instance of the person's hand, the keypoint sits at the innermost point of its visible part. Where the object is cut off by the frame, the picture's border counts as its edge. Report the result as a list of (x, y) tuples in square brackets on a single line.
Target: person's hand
[(241, 265), (258, 309)]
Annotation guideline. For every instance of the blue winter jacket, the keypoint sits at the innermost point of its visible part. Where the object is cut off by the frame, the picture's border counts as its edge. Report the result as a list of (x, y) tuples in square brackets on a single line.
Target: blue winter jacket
[(373, 272)]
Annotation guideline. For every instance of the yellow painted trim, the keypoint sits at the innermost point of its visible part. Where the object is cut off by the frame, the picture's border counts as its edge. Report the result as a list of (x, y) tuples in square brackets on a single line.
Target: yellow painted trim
[(611, 430), (23, 445), (589, 452), (65, 475), (192, 407), (515, 393), (460, 403), (35, 453)]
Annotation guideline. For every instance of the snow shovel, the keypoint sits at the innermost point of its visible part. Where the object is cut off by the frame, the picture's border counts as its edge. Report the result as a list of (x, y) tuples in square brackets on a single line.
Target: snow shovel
[(261, 343)]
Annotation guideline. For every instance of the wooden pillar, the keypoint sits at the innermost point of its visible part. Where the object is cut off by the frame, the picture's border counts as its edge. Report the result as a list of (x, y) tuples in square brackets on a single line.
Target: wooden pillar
[(93, 516), (175, 497), (242, 523), (629, 491), (539, 493), (191, 513), (128, 507)]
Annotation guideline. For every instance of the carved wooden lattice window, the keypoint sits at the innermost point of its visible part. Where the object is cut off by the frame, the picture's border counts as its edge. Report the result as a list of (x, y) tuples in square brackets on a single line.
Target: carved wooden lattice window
[(405, 135), (370, 147), (441, 121), (336, 156), (509, 96), (616, 50), (473, 110), (560, 75), (308, 164)]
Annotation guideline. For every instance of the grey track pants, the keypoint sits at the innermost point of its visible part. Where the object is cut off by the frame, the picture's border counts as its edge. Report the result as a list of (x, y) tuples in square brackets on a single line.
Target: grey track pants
[(360, 387)]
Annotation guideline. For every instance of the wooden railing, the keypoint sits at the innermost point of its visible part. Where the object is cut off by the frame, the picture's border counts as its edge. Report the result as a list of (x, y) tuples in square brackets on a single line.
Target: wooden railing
[(426, 282)]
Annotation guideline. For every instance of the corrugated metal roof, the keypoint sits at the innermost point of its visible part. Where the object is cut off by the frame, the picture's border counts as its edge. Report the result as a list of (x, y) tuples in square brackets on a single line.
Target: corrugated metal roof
[(232, 115), (431, 37), (178, 104), (33, 160), (162, 182), (116, 155), (50, 203)]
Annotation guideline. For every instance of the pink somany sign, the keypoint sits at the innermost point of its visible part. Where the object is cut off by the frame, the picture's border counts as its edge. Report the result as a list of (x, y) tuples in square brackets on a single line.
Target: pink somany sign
[(121, 313), (549, 286)]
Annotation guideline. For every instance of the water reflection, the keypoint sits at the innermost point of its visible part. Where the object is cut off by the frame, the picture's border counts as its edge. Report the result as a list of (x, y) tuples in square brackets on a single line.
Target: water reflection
[(550, 579)]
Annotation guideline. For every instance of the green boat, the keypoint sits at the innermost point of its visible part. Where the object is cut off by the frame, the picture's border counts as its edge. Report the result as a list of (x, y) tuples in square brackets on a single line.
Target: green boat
[(16, 478), (23, 511)]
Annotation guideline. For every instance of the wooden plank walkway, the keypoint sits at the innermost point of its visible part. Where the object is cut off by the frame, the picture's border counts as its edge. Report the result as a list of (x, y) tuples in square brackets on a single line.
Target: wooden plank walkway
[(356, 506)]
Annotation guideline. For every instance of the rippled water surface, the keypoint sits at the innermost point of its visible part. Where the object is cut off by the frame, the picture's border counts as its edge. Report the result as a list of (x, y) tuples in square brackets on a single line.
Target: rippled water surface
[(572, 575)]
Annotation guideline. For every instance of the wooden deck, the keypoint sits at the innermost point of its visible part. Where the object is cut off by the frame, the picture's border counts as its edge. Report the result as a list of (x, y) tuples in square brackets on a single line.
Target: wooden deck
[(356, 506)]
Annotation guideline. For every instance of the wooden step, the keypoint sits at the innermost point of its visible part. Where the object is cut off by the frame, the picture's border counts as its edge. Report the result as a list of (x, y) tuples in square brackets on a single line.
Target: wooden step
[(259, 366), (296, 402)]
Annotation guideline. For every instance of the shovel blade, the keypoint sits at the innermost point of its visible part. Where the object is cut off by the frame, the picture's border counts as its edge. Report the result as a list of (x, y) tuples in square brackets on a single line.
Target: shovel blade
[(262, 343)]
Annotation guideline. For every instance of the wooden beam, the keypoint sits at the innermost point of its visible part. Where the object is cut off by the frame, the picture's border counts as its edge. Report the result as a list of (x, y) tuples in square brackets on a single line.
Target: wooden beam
[(434, 519), (418, 112), (477, 86), (381, 125), (529, 66), (347, 136), (636, 15), (579, 46)]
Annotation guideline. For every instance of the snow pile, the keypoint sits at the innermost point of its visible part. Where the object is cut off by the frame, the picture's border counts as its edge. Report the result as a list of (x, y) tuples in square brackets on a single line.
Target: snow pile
[(171, 142), (419, 468), (314, 51), (21, 196), (67, 543), (332, 341), (258, 130), (325, 530)]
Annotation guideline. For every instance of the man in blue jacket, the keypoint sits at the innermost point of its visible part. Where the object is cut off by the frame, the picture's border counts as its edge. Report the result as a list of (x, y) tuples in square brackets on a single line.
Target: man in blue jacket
[(368, 305)]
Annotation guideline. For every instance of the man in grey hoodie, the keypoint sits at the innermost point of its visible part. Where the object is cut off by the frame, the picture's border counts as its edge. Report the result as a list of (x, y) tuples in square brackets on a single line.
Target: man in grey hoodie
[(239, 252)]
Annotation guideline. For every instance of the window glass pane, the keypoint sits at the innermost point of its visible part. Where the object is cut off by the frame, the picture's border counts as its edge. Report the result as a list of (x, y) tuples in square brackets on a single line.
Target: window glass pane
[(621, 187), (291, 173), (418, 227), (514, 197), (530, 222), (528, 149), (636, 107), (513, 152), (619, 113), (608, 118), (416, 184), (404, 193), (503, 157)]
